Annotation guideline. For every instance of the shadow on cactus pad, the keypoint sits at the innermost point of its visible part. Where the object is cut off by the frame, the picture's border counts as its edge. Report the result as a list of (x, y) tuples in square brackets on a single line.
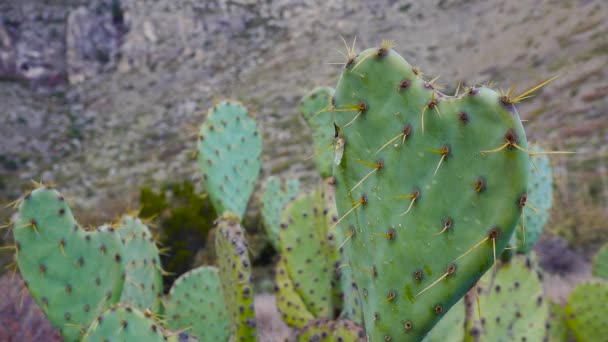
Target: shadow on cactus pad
[(184, 219)]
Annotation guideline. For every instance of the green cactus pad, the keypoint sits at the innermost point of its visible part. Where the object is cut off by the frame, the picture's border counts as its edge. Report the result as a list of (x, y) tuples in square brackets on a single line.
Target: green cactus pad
[(290, 304), (314, 107), (427, 206), (305, 247), (181, 337), (235, 276), (540, 200), (324, 329), (600, 263), (451, 327), (512, 304), (274, 199), (229, 148), (557, 331), (586, 312), (143, 279), (72, 274), (195, 304), (124, 324)]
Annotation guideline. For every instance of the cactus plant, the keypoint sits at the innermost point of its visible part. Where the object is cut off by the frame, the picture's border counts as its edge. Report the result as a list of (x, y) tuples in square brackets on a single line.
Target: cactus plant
[(72, 274), (124, 323), (274, 199), (586, 312), (143, 286), (315, 108), (538, 203), (430, 185), (229, 148), (235, 276), (324, 329), (512, 304), (600, 263), (451, 327), (289, 303), (195, 304)]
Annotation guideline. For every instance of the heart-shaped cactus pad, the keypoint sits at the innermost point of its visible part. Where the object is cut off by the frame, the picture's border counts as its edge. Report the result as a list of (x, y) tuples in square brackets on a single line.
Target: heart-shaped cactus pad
[(72, 274), (430, 185)]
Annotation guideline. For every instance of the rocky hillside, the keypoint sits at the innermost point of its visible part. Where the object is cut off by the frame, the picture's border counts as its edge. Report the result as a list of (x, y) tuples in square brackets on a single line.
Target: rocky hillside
[(100, 97)]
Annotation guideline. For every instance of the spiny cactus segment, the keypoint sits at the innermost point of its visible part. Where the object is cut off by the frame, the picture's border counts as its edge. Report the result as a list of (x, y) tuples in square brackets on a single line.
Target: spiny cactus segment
[(72, 274), (124, 323), (600, 263), (289, 303), (327, 330), (315, 107), (235, 276), (430, 184), (143, 277), (586, 312), (229, 148), (195, 304), (537, 205), (274, 198), (451, 327)]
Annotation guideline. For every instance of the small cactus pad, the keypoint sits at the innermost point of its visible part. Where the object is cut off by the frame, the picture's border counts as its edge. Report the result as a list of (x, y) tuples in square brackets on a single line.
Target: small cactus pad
[(229, 148), (124, 324), (538, 203), (324, 329), (429, 183), (290, 304), (274, 199), (235, 275), (195, 304), (315, 108), (600, 263), (512, 304), (557, 331), (586, 312), (143, 279), (304, 246), (72, 274), (451, 327)]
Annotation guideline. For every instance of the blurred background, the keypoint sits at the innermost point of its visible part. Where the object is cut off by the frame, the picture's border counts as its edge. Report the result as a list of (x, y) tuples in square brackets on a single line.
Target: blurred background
[(101, 98)]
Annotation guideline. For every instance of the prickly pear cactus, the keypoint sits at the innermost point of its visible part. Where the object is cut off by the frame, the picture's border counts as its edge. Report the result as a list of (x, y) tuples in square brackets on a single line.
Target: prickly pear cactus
[(512, 304), (235, 276), (304, 246), (557, 331), (72, 274), (195, 304), (600, 263), (538, 204), (451, 327), (124, 324), (274, 199), (289, 303), (315, 107), (586, 312), (143, 279), (324, 329), (430, 184), (229, 148)]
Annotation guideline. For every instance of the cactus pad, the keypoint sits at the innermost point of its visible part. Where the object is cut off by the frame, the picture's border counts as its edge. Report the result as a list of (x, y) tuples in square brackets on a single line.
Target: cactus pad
[(195, 304), (143, 279), (313, 108), (229, 148), (600, 263), (451, 327), (540, 200), (334, 331), (429, 183), (72, 274), (274, 200), (304, 246), (586, 312), (235, 276), (289, 303), (512, 304), (124, 324)]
